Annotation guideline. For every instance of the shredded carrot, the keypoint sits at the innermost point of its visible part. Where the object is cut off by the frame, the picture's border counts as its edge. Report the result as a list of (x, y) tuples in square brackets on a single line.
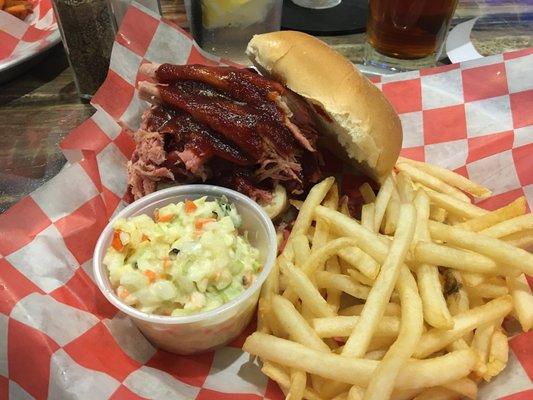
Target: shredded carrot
[(200, 222), (144, 237), (117, 243), (122, 292), (151, 275), (165, 217), (190, 207), (166, 262)]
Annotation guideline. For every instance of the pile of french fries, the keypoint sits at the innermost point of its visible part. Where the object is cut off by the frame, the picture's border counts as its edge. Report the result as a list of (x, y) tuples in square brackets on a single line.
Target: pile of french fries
[(405, 302), (17, 8)]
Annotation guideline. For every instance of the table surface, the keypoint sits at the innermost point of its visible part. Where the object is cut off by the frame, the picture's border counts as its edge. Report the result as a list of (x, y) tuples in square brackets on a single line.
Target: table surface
[(40, 107)]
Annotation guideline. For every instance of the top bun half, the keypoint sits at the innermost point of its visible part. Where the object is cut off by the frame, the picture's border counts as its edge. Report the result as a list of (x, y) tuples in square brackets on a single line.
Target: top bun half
[(349, 107)]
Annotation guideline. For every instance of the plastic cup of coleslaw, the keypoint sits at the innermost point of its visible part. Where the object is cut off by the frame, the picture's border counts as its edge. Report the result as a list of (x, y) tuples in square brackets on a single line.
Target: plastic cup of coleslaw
[(207, 330)]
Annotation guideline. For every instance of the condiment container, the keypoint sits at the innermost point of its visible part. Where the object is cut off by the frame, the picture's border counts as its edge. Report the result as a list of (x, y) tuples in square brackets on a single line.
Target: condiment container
[(224, 27), (207, 330), (88, 30)]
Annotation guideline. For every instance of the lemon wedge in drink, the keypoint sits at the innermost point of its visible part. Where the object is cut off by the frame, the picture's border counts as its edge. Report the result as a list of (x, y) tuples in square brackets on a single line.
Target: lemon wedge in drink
[(238, 13)]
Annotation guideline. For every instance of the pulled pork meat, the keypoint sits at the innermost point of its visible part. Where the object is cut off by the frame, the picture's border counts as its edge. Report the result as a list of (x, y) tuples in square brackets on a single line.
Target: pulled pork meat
[(226, 126)]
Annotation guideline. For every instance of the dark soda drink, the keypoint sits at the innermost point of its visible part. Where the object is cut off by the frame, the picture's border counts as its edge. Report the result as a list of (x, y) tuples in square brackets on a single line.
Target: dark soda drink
[(408, 29)]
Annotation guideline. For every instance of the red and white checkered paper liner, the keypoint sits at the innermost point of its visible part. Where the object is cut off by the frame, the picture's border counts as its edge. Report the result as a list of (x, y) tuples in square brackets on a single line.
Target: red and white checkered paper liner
[(59, 337), (20, 39)]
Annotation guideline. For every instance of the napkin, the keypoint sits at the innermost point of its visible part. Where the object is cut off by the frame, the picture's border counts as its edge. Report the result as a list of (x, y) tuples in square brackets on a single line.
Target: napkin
[(60, 338)]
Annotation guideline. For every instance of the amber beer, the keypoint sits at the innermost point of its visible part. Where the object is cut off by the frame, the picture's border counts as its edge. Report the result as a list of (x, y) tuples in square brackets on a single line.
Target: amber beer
[(408, 29)]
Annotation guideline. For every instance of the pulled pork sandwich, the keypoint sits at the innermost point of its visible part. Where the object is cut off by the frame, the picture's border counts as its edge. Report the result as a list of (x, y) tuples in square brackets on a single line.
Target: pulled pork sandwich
[(262, 135)]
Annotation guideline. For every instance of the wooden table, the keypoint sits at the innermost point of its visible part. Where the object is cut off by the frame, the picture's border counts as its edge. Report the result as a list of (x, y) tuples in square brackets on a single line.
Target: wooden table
[(40, 107)]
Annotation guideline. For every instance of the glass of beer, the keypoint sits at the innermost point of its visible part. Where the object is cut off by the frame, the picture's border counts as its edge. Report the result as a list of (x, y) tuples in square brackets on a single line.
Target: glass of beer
[(406, 34)]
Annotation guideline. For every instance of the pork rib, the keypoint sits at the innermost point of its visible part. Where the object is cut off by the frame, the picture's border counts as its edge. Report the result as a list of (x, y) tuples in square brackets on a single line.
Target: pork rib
[(237, 121), (197, 142), (243, 85)]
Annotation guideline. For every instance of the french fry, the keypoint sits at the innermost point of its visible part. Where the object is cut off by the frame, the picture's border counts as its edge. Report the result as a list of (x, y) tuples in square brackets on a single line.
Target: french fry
[(510, 226), (333, 295), (380, 293), (367, 192), (368, 212), (459, 344), (355, 393), (281, 378), (375, 355), (438, 393), (307, 292), (305, 216), (298, 382), (270, 319), (462, 277), (392, 213), (436, 312), (10, 3), (453, 219), (450, 178), (489, 290), (318, 257), (405, 188), (431, 181), (332, 198), (459, 259), (359, 277), (296, 203), (321, 234), (341, 396), (344, 283), (498, 355), (262, 309), (391, 310), (454, 206), (465, 387), (472, 279), (20, 11), (481, 344), (295, 325), (382, 382), (436, 339), (514, 209), (437, 214), (361, 261), (522, 300), (408, 394), (380, 343), (301, 248), (343, 208), (271, 285), (496, 249), (523, 239), (358, 371), (382, 200), (369, 242), (342, 326)]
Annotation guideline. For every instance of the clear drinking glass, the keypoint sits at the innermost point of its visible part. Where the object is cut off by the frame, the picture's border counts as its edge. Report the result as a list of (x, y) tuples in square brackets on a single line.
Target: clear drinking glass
[(406, 34), (88, 30), (224, 27), (317, 4)]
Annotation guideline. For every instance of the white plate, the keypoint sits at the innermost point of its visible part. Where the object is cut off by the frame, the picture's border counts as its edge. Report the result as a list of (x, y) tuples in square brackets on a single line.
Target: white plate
[(19, 60)]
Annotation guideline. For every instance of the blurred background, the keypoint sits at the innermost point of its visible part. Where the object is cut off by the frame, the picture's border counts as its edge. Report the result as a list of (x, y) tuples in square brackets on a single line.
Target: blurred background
[(41, 93)]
